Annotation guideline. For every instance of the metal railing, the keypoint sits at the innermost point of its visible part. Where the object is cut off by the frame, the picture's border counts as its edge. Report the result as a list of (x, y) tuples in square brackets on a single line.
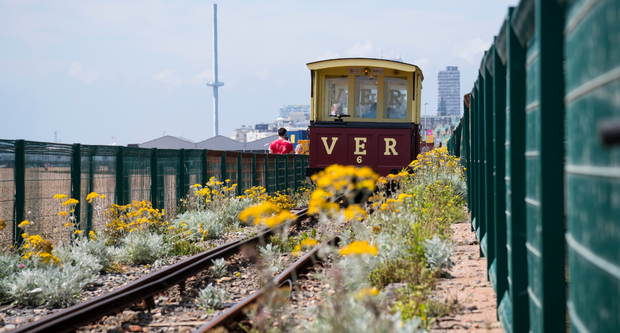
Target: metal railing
[(31, 173)]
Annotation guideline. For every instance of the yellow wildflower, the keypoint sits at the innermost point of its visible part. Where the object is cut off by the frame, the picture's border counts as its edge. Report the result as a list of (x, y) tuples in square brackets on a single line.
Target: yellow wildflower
[(60, 196), (77, 232), (70, 202), (63, 214), (359, 247), (309, 242), (91, 196), (366, 292), (2, 224), (23, 224)]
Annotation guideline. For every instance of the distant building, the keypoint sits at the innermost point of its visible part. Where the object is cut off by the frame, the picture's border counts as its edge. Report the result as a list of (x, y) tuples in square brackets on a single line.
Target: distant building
[(169, 142), (434, 122), (286, 110), (449, 91)]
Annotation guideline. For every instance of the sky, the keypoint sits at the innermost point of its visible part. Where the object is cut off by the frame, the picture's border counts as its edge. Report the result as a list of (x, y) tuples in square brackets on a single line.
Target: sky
[(102, 72)]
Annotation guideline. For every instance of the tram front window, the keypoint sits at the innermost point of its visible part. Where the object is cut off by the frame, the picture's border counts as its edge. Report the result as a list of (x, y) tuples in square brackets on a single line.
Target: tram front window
[(395, 98), (336, 95), (365, 96)]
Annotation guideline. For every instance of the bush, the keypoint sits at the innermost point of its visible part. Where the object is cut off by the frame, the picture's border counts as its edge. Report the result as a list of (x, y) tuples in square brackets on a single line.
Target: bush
[(212, 297), (271, 258), (95, 250), (438, 254), (51, 286), (143, 248), (219, 267)]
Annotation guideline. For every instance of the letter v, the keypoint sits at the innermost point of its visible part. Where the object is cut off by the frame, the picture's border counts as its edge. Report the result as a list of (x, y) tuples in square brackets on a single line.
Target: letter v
[(331, 148)]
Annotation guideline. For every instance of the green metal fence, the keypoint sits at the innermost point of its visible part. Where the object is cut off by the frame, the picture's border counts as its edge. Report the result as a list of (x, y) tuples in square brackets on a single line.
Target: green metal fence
[(31, 173), (543, 191)]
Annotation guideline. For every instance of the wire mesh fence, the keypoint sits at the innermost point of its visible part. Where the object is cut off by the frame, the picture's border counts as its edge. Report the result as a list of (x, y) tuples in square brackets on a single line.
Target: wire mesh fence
[(31, 173)]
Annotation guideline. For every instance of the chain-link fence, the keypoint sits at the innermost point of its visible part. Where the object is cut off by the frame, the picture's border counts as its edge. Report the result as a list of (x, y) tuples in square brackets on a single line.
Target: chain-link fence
[(31, 173)]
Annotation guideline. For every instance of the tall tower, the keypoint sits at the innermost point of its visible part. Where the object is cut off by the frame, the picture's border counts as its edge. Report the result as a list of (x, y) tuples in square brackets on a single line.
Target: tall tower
[(449, 90), (215, 83)]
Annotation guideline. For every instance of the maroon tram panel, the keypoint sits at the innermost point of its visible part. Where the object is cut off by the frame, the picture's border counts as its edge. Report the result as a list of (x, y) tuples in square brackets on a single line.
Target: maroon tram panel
[(382, 149)]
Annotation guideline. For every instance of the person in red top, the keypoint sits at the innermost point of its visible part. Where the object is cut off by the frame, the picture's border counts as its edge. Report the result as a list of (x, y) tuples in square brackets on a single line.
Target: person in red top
[(281, 146)]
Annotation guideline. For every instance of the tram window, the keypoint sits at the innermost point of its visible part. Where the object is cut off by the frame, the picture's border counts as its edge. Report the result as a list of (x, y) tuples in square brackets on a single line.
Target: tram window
[(336, 95), (395, 97), (365, 96)]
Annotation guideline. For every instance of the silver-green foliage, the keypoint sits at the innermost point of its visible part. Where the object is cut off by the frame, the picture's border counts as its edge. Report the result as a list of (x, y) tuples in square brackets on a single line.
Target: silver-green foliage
[(212, 297), (272, 258), (438, 253), (143, 248), (9, 264), (352, 316), (83, 247), (219, 267), (50, 285)]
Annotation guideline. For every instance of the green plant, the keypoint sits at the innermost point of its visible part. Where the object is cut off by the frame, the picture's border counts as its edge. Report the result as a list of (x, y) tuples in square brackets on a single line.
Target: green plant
[(212, 297), (438, 254), (399, 270), (144, 248), (219, 267), (186, 248), (272, 258)]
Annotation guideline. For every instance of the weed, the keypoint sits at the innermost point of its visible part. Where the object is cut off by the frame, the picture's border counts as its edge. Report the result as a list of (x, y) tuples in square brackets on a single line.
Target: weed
[(212, 297), (219, 267)]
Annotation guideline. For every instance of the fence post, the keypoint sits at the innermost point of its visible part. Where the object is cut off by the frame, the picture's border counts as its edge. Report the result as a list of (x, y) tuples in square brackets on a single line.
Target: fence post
[(20, 190), (254, 170), (182, 175), (204, 169), (223, 167), (76, 188), (154, 177), (239, 174), (91, 188), (119, 177), (277, 173)]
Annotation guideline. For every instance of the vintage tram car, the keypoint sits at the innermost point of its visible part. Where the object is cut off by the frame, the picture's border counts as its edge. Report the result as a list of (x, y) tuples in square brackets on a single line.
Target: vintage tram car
[(364, 112)]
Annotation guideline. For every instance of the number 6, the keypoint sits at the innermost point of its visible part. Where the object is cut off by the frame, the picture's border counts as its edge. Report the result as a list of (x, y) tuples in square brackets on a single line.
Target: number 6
[(359, 159)]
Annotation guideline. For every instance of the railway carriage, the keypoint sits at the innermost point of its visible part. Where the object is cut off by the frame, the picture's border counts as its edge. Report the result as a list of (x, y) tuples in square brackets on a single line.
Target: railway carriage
[(364, 112)]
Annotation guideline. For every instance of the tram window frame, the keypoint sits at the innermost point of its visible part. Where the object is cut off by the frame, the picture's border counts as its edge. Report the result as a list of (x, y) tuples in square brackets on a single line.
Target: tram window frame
[(341, 72), (328, 106), (386, 97)]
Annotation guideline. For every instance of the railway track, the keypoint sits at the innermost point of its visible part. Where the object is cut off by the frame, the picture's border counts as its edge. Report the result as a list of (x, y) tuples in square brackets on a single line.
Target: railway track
[(144, 289), (231, 318)]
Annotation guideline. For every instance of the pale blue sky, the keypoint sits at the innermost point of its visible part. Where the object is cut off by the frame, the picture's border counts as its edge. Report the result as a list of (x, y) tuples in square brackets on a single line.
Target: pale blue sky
[(93, 70)]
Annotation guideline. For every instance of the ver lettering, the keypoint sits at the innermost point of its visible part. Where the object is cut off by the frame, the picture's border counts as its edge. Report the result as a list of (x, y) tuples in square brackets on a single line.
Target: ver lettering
[(329, 149), (360, 146), (390, 145)]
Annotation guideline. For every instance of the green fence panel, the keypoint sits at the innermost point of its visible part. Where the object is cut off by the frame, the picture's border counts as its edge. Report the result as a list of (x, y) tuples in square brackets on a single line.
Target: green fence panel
[(482, 176), (488, 240), (513, 311), (47, 171), (136, 174), (193, 169), (168, 183), (8, 206), (544, 160), (247, 172), (272, 176), (592, 44), (499, 183), (473, 201), (214, 165)]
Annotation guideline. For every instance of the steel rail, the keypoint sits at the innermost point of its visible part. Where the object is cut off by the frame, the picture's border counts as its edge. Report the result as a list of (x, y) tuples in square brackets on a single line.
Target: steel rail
[(235, 314), (143, 289)]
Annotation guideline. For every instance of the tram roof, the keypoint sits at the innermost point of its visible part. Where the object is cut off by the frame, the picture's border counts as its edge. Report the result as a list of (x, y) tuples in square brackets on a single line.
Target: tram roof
[(364, 62)]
